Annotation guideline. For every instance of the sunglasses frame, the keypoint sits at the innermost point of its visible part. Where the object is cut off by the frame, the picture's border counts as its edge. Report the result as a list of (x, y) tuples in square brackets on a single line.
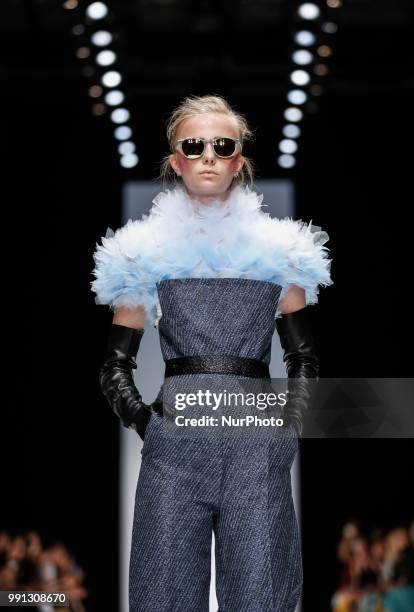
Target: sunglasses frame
[(211, 141)]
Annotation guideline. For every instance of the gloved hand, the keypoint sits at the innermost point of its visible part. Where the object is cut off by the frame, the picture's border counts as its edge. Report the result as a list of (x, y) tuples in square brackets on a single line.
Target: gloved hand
[(116, 379), (301, 361)]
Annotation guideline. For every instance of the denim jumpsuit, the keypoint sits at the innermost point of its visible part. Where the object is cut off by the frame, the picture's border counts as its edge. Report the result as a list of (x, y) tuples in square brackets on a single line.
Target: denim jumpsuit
[(240, 487)]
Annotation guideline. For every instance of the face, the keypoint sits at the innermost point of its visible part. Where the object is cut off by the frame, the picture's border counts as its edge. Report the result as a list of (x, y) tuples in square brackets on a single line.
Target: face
[(206, 187)]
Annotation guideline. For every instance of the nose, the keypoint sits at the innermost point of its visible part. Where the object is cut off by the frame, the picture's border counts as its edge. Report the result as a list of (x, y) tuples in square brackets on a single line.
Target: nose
[(209, 154)]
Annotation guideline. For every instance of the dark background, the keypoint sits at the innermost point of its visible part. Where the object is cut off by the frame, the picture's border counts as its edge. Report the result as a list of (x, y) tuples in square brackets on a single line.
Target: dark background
[(61, 188)]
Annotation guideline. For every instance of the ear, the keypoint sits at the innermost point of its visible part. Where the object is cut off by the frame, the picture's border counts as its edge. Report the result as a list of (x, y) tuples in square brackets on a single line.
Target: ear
[(241, 163), (173, 163)]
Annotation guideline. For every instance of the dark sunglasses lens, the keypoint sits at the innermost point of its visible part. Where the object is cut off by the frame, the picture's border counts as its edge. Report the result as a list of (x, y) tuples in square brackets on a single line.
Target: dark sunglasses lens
[(192, 147), (225, 147)]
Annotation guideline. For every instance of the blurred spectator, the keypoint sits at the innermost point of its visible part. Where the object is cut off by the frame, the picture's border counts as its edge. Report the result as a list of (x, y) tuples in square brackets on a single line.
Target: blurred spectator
[(377, 551), (400, 598), (350, 535), (25, 565), (377, 572), (396, 543), (369, 595)]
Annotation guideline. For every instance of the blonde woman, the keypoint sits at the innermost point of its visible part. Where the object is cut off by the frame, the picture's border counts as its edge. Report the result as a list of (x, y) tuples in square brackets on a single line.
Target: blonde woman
[(216, 275)]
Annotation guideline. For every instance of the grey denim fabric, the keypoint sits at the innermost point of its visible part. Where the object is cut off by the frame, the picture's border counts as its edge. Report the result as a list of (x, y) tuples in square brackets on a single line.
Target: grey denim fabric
[(238, 487)]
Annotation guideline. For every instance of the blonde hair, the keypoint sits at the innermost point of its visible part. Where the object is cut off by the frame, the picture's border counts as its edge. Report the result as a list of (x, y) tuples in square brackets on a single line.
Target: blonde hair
[(197, 105)]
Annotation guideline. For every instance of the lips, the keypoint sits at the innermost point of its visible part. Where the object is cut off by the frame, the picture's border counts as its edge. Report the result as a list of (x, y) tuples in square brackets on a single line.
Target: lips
[(209, 173)]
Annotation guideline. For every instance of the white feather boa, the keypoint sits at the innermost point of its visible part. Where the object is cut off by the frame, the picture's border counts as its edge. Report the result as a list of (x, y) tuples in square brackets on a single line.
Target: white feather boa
[(182, 238)]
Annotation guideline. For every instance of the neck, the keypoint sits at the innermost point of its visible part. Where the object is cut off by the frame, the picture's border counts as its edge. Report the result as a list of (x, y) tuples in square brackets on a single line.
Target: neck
[(208, 199)]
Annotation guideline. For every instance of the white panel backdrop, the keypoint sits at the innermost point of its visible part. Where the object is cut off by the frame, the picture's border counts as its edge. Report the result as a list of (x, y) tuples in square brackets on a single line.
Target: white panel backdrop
[(137, 200)]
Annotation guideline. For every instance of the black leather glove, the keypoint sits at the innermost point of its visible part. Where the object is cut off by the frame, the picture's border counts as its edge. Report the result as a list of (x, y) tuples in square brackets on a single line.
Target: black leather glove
[(116, 379), (301, 361)]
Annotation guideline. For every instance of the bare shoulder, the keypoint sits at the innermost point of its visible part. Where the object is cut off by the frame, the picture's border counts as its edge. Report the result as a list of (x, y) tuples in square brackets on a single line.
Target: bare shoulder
[(130, 317), (293, 300)]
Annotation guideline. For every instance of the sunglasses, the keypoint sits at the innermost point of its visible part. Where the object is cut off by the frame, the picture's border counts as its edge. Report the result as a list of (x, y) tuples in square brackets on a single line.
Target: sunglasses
[(192, 148)]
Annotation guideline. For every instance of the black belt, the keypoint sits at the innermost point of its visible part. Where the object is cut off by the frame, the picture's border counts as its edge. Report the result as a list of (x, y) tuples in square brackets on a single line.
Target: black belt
[(217, 364)]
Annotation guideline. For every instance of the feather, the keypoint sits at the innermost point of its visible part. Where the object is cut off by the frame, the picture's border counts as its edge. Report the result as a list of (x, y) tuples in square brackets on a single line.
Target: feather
[(183, 238)]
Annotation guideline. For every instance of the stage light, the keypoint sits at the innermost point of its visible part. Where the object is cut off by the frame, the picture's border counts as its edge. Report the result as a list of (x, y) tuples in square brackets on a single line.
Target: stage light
[(329, 27), (316, 90), (291, 130), (95, 91), (123, 132), (302, 57), (320, 69), (101, 38), (129, 160), (288, 146), (305, 38), (78, 29), (324, 51), (297, 96), (293, 114), (105, 58), (306, 62), (300, 77), (99, 108), (120, 115), (126, 147), (83, 52), (112, 78), (70, 4), (114, 97), (97, 10), (286, 161), (106, 95), (309, 10)]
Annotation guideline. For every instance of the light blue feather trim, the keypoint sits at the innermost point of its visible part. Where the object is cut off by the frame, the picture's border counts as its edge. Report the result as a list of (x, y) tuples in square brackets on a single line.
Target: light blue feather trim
[(180, 238)]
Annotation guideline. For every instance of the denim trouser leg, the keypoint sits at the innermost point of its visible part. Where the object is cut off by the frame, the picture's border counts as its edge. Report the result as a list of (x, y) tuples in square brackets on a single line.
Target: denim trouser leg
[(241, 488), (172, 533), (258, 554)]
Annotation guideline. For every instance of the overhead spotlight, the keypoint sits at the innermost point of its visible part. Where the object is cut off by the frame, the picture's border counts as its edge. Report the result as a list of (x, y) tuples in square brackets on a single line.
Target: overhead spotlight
[(106, 57), (129, 160), (324, 50), (70, 4), (291, 130), (329, 27), (288, 146), (101, 38), (97, 10), (302, 57), (123, 132), (305, 38), (297, 96), (95, 91), (83, 52), (112, 78), (78, 29), (320, 69), (309, 10), (98, 108), (300, 77), (293, 114), (120, 115), (114, 97), (126, 147), (286, 161), (316, 89)]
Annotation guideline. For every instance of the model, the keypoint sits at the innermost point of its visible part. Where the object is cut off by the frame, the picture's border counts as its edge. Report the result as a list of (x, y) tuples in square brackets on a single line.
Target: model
[(216, 274)]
